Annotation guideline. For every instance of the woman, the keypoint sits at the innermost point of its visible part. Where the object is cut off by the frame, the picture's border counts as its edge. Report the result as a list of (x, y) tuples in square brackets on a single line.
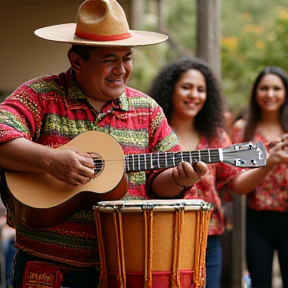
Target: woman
[(191, 99), (267, 205)]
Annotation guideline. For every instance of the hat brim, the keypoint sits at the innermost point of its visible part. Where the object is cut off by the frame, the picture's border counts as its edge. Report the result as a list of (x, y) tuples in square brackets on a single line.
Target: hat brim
[(65, 33)]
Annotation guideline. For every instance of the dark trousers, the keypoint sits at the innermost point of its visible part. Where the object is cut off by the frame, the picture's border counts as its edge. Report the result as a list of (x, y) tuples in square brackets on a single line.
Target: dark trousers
[(213, 262), (79, 278), (266, 232)]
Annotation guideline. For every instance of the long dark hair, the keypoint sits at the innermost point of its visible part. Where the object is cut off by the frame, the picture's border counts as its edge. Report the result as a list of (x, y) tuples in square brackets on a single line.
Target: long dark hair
[(211, 116), (254, 111)]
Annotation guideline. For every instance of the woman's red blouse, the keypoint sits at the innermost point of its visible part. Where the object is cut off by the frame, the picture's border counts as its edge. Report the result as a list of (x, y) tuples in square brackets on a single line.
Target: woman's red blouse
[(217, 180), (272, 193)]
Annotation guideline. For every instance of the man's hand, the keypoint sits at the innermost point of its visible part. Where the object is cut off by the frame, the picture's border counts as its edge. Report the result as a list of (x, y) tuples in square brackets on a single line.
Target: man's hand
[(71, 166)]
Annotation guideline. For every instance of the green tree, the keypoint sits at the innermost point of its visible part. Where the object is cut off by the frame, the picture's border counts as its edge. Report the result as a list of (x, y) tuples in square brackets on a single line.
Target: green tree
[(254, 34)]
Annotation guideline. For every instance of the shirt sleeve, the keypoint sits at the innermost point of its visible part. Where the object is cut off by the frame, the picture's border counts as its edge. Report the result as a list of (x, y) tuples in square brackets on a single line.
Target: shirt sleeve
[(18, 115)]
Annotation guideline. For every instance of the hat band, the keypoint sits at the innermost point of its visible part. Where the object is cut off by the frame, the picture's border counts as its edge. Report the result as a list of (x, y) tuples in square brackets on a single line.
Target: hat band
[(103, 37)]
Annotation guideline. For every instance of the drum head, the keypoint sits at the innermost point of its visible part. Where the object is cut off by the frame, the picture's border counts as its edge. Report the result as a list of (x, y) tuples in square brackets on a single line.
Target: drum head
[(162, 205)]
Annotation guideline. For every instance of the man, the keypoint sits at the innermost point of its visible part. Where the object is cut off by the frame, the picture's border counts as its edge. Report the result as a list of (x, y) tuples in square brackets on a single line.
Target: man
[(47, 112)]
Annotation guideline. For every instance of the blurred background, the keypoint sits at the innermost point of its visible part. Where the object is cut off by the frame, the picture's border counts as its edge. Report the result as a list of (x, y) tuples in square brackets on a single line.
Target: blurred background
[(236, 38), (241, 37)]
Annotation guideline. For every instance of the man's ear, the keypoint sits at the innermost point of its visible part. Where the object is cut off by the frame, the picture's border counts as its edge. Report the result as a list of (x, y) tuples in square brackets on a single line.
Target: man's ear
[(75, 60)]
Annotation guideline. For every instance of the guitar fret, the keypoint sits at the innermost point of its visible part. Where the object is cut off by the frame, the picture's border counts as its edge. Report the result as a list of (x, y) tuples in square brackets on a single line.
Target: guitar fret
[(220, 150), (127, 163), (154, 160), (140, 161), (133, 162), (205, 156), (209, 157), (166, 164), (170, 159)]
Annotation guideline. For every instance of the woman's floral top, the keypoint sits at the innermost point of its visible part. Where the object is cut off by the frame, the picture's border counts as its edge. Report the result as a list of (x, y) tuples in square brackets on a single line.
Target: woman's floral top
[(218, 178), (272, 193)]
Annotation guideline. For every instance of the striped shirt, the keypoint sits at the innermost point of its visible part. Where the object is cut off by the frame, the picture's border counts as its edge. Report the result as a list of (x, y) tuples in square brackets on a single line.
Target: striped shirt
[(51, 111)]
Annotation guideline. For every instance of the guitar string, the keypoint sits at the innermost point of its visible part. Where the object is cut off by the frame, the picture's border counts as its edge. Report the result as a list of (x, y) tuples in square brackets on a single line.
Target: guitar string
[(137, 157), (163, 158)]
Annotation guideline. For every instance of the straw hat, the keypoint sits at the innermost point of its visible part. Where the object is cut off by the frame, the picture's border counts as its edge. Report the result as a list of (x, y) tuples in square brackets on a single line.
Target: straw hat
[(100, 23)]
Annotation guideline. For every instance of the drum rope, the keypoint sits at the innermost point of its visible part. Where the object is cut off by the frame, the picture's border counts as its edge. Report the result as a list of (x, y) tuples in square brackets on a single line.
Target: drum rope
[(206, 220), (203, 218), (122, 249), (150, 255), (178, 256), (175, 275), (148, 224), (202, 255), (120, 272), (145, 249), (196, 276), (103, 282)]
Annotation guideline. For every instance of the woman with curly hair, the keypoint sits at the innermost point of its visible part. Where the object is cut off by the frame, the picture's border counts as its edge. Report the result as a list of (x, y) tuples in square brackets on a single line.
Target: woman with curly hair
[(267, 206), (191, 98)]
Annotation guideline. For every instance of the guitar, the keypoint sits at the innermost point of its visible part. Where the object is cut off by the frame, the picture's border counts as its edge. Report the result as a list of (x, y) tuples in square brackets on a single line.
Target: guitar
[(40, 200)]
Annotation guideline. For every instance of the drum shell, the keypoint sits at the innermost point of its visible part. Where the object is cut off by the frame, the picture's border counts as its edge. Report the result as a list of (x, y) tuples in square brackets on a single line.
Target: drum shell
[(157, 243)]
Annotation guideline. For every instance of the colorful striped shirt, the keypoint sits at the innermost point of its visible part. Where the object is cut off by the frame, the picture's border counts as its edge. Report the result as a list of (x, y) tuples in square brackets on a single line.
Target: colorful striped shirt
[(51, 111)]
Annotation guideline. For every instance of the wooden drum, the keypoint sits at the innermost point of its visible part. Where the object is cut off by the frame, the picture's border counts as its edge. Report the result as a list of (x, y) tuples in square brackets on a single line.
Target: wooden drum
[(152, 243)]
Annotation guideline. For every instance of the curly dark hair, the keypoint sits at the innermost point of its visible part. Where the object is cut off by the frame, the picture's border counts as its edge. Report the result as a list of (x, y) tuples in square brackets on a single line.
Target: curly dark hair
[(211, 116), (254, 111)]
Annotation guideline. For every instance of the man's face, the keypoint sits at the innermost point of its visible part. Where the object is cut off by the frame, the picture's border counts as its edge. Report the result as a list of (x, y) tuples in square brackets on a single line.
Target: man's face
[(104, 75)]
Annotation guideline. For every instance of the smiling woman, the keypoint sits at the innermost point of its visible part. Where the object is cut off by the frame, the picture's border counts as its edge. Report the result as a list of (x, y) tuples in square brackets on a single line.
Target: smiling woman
[(190, 96), (267, 205)]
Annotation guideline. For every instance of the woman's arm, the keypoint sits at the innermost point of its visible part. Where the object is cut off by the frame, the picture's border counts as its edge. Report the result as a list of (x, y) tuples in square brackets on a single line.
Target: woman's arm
[(247, 181)]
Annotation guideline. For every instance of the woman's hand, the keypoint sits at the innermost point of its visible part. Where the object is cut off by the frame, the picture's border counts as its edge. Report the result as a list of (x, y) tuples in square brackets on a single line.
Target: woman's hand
[(278, 154)]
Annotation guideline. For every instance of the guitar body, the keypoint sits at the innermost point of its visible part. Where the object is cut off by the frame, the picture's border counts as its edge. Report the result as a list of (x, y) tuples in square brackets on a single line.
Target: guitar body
[(40, 200)]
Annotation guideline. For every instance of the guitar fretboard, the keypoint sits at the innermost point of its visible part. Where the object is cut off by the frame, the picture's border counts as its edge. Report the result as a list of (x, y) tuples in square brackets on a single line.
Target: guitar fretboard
[(142, 162)]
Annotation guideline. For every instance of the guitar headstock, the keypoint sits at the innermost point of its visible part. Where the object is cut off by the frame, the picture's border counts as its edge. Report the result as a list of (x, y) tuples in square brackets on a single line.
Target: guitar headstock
[(245, 155)]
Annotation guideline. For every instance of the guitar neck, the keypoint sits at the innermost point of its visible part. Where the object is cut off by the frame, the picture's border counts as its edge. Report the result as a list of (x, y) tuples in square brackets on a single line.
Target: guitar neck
[(149, 161)]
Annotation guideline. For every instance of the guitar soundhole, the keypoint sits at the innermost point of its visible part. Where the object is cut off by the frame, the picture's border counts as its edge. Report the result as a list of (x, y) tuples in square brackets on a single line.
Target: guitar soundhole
[(98, 163)]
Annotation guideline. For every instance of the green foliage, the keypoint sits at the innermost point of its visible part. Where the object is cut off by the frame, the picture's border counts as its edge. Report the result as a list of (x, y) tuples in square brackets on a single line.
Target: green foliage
[(256, 39), (180, 25), (254, 34)]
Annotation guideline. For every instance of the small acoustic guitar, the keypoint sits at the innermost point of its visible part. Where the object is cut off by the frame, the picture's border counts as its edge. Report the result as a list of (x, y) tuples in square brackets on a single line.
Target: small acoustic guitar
[(40, 200)]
